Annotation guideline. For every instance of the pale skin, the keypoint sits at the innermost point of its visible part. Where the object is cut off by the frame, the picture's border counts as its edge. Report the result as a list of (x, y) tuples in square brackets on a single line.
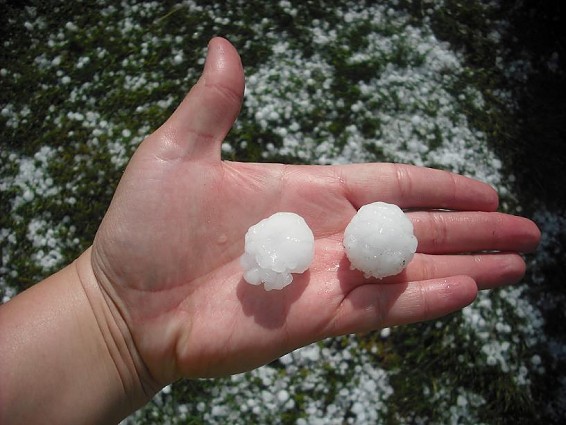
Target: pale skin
[(160, 296)]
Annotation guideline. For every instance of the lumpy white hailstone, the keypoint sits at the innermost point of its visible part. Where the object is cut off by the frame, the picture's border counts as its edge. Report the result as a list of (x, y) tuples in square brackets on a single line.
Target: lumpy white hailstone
[(276, 247), (379, 241)]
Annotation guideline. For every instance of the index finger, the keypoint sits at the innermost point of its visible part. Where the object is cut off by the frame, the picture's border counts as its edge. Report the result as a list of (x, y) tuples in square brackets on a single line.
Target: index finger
[(409, 186)]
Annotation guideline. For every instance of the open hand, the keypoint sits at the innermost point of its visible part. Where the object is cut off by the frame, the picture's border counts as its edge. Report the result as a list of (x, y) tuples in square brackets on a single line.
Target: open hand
[(166, 254)]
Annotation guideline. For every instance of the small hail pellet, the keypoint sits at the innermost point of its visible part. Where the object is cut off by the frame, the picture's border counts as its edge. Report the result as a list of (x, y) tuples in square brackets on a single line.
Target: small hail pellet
[(275, 248), (379, 240)]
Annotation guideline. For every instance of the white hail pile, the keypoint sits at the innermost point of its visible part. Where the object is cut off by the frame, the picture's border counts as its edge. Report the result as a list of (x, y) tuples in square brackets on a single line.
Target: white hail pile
[(379, 240), (276, 247)]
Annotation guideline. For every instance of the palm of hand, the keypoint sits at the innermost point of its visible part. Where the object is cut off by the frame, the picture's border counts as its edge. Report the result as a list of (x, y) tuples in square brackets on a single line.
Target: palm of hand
[(167, 252), (176, 263)]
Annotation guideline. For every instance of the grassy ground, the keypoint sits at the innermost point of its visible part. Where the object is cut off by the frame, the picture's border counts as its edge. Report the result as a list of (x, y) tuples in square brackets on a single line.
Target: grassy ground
[(474, 87)]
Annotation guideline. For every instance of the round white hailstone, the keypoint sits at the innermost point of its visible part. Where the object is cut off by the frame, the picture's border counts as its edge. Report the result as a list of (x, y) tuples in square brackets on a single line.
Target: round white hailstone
[(379, 240), (283, 396), (276, 247)]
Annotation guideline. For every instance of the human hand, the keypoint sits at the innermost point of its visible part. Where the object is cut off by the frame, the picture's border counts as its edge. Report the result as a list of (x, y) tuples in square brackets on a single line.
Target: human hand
[(166, 254)]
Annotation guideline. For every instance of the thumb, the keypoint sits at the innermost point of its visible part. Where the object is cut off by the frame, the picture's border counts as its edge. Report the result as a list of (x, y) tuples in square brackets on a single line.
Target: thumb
[(202, 120)]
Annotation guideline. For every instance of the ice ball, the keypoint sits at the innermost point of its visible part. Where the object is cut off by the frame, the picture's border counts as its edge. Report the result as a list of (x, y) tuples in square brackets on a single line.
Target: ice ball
[(276, 247), (379, 240)]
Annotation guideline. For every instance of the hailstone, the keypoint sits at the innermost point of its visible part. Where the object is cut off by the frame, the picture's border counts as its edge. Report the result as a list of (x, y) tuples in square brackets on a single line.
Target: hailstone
[(379, 240), (276, 247)]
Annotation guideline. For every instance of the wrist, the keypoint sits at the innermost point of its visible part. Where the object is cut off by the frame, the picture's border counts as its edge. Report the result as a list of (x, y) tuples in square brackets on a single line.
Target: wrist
[(64, 356), (113, 334)]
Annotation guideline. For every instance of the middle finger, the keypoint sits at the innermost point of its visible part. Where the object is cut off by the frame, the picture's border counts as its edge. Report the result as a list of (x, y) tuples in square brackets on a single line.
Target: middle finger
[(446, 232)]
